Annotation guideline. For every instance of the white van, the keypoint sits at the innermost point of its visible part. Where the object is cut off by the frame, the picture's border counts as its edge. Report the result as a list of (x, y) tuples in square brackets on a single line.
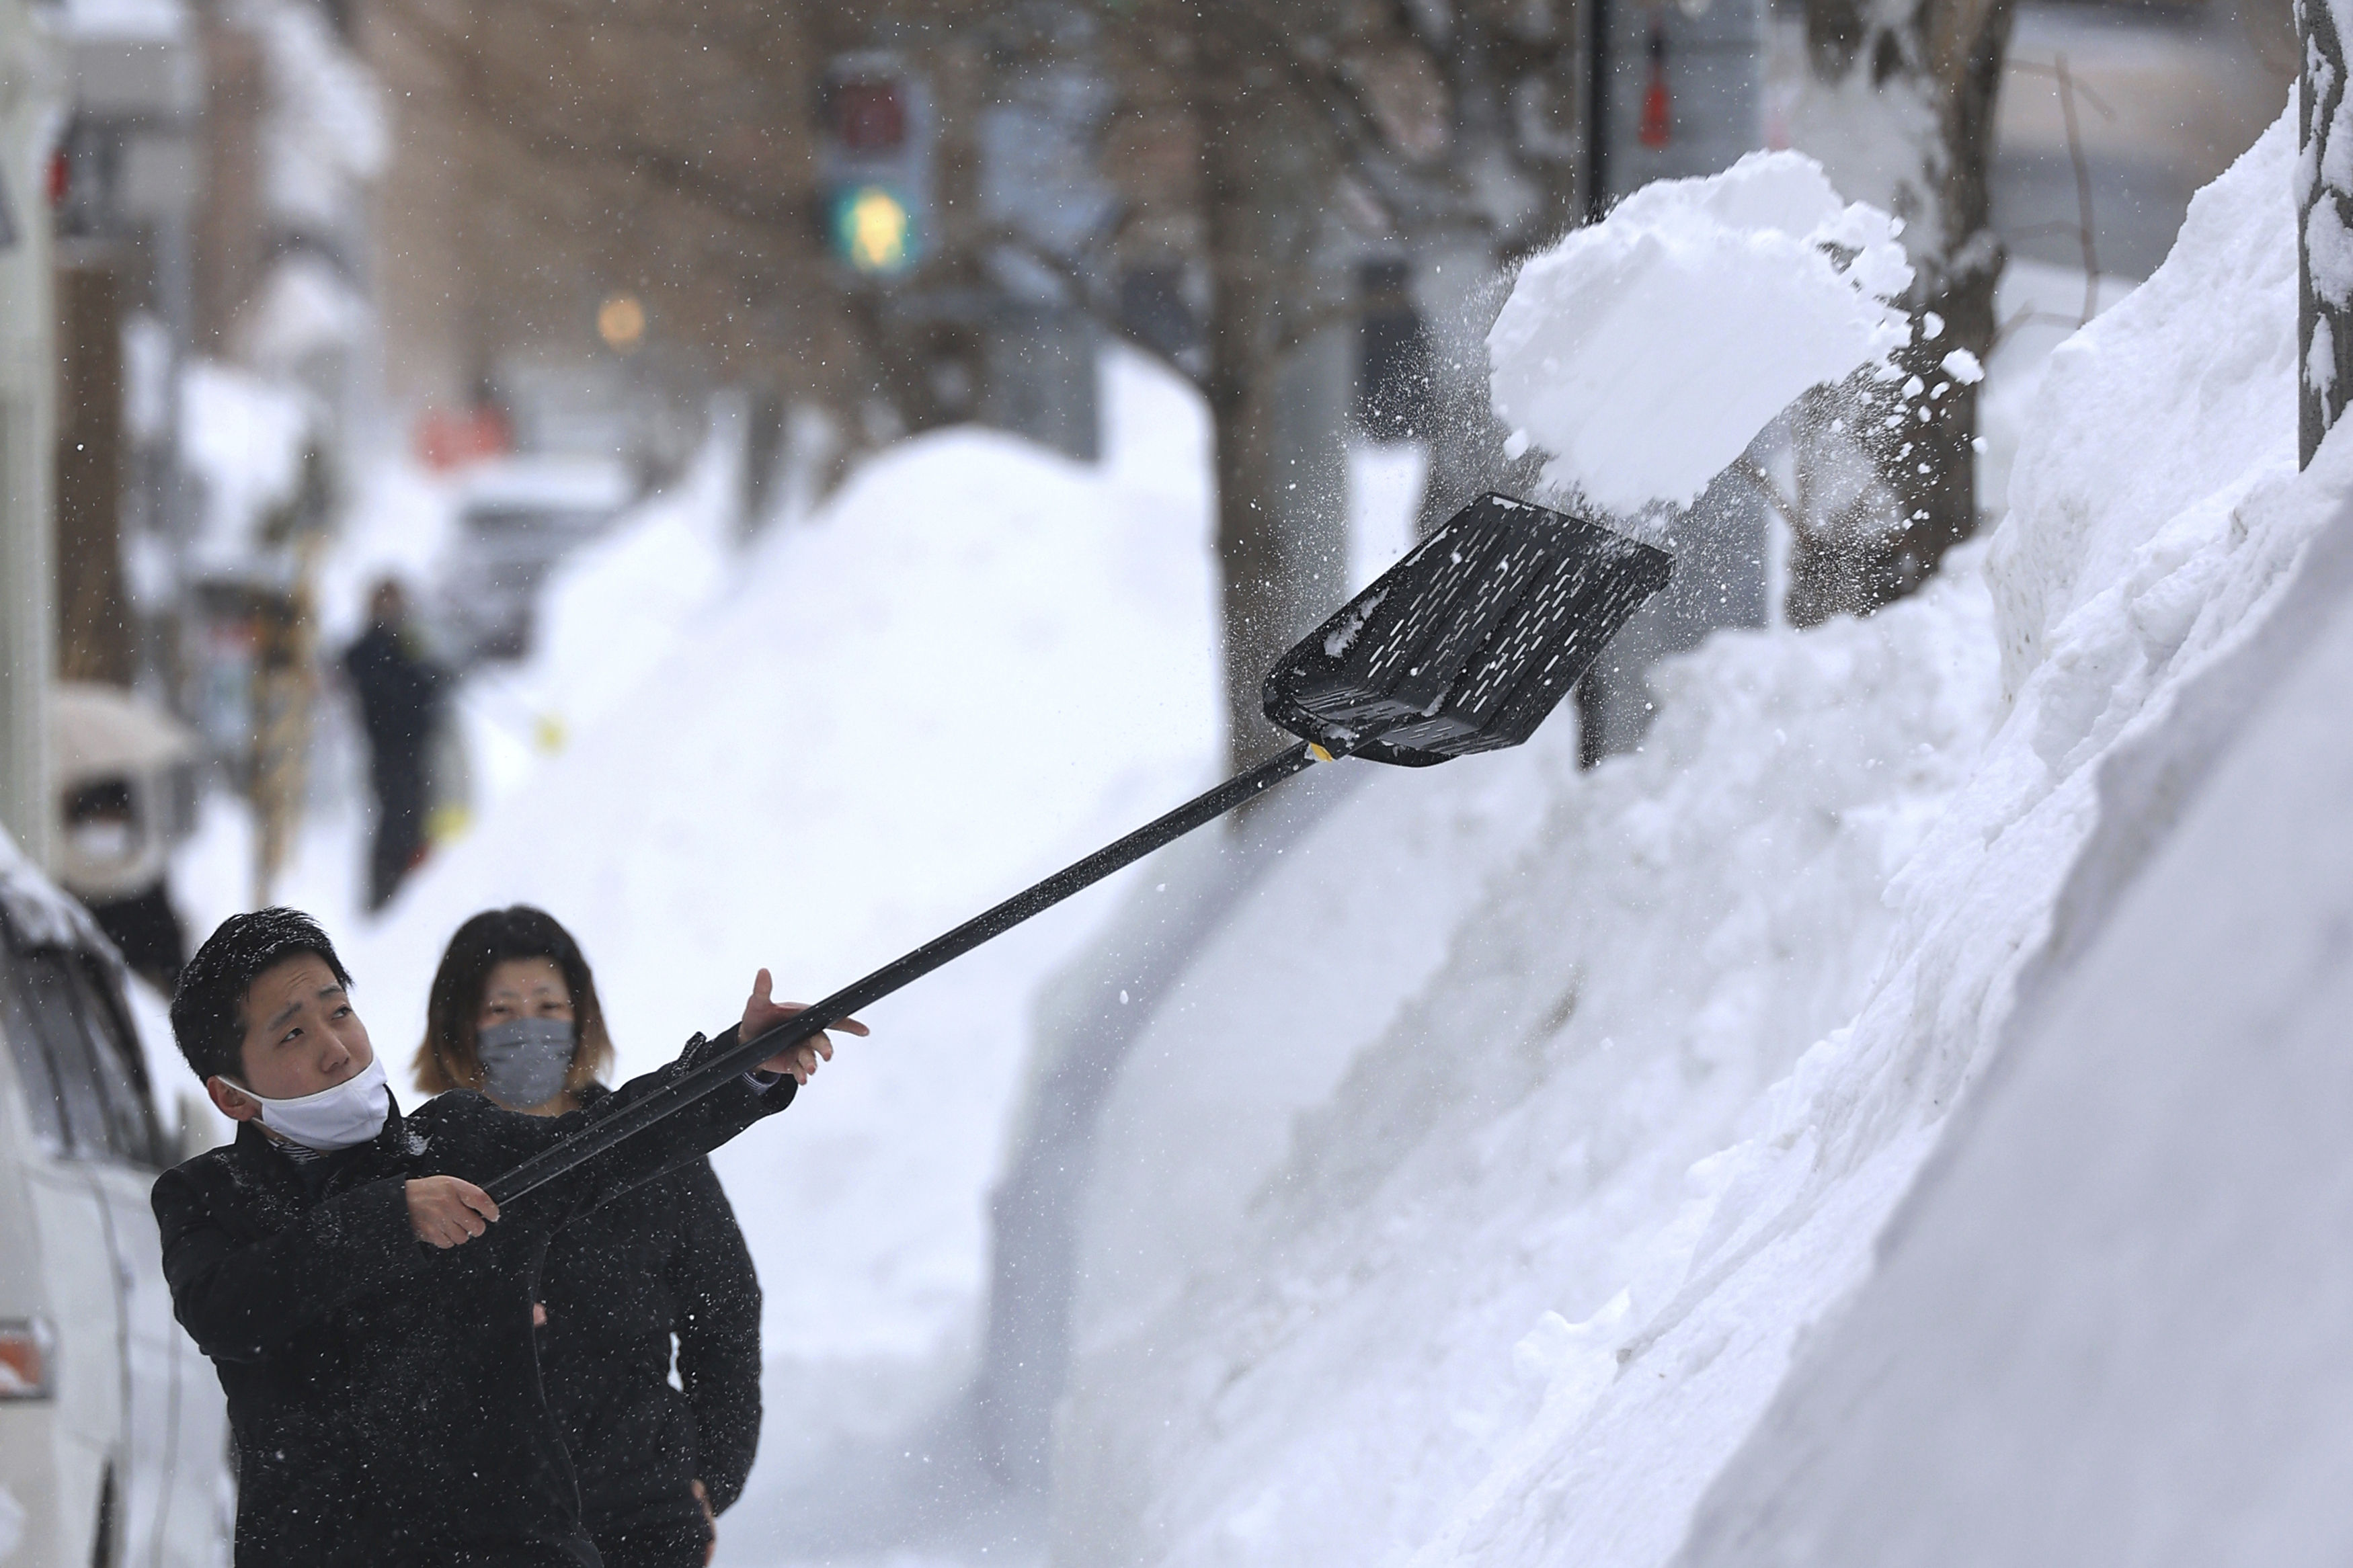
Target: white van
[(114, 1433)]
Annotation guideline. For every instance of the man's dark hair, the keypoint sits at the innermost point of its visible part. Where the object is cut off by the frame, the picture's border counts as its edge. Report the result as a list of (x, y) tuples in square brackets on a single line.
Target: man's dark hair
[(209, 1007)]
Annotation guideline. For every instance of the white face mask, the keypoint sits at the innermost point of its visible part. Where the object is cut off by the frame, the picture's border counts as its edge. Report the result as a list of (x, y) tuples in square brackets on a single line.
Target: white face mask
[(341, 1117), (103, 841)]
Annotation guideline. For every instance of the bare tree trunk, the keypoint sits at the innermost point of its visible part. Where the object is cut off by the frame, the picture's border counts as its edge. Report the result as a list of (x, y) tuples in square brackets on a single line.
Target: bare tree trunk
[(2324, 237), (1900, 109), (1264, 183)]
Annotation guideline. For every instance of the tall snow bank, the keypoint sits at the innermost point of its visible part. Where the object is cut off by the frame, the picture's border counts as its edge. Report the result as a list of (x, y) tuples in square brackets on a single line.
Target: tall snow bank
[(1628, 959), (1645, 351), (1517, 1288), (2163, 400), (607, 618), (2039, 306), (2108, 1325)]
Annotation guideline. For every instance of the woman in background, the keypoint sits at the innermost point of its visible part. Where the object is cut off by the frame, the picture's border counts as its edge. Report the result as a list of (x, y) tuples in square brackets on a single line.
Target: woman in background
[(513, 1014)]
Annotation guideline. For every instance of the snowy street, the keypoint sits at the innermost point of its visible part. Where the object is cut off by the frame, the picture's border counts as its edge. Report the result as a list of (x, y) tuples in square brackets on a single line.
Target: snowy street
[(1857, 1085)]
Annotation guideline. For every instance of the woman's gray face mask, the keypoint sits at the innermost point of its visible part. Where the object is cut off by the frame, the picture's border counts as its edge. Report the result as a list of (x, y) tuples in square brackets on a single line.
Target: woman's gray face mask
[(524, 1060)]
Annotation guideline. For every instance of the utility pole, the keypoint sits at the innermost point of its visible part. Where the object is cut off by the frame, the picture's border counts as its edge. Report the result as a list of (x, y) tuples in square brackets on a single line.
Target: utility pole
[(28, 103)]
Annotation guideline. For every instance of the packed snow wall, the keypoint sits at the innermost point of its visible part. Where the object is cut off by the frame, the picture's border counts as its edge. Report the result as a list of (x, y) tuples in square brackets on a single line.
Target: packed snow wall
[(2107, 1323), (1495, 1250)]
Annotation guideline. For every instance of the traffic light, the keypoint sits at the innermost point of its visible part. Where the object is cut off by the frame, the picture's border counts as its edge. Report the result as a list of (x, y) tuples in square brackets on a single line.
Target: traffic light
[(875, 164)]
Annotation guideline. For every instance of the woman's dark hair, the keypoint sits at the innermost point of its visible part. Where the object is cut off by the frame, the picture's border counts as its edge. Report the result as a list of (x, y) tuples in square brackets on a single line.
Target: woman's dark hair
[(448, 1058), (208, 1004)]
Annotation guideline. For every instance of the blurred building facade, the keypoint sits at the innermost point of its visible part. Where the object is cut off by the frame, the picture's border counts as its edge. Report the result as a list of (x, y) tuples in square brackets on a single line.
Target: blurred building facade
[(180, 247), (694, 179), (36, 87)]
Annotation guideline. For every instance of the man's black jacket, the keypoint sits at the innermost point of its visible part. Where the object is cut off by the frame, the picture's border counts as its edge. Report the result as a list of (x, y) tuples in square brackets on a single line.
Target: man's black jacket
[(664, 1260), (384, 1394)]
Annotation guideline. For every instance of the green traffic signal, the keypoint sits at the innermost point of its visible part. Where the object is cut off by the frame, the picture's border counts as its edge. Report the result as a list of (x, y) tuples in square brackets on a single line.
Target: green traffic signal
[(873, 229)]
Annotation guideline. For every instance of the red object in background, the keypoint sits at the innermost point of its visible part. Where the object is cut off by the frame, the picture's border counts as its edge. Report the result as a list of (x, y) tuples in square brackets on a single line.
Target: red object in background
[(446, 440), (1657, 126), (60, 178)]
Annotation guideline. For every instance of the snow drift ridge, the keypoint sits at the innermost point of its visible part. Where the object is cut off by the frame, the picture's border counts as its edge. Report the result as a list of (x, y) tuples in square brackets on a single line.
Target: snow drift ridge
[(1521, 1277)]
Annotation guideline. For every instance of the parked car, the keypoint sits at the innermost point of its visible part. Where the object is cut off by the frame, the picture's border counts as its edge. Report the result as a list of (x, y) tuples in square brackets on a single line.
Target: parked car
[(517, 516), (114, 1433)]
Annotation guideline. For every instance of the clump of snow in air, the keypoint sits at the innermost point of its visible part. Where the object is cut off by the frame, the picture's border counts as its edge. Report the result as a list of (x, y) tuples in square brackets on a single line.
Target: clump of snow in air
[(1645, 353), (1498, 1250)]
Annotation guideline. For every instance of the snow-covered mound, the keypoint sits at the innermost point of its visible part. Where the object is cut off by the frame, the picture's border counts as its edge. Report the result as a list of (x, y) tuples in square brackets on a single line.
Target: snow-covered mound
[(244, 437), (2108, 1323), (1645, 351), (976, 662), (606, 619), (1517, 1286), (2039, 306)]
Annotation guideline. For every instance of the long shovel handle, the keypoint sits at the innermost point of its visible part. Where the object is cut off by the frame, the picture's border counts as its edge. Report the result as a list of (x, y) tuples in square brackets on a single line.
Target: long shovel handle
[(605, 1132)]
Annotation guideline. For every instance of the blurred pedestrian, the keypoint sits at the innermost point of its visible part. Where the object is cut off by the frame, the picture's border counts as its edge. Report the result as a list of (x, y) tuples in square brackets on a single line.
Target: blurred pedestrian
[(513, 1013), (400, 692), (125, 775)]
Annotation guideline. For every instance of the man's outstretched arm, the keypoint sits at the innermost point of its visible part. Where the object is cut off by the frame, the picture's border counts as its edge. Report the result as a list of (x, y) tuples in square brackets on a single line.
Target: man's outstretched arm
[(694, 1130)]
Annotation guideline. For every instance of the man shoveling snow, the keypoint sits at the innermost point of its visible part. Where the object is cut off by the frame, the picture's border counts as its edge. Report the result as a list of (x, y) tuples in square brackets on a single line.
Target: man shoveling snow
[(367, 1304)]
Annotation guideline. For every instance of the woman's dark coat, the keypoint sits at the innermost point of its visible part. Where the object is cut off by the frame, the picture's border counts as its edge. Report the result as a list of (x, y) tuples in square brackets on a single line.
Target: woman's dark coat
[(383, 1394), (666, 1259)]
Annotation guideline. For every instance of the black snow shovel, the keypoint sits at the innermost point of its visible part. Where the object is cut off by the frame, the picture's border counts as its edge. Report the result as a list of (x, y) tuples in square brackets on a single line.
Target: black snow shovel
[(1464, 646)]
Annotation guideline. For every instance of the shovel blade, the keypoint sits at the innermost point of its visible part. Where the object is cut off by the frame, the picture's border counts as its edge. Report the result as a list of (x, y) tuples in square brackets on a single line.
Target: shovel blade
[(1469, 641)]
